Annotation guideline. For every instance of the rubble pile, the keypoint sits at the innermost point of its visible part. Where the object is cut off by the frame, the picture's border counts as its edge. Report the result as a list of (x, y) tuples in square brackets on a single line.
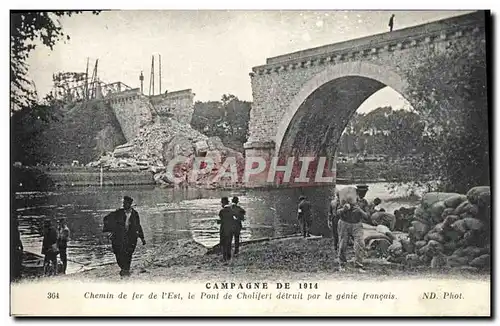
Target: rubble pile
[(448, 230), (167, 141)]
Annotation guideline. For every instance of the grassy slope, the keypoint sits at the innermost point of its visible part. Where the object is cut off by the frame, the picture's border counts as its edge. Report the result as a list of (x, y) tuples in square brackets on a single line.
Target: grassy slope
[(74, 136)]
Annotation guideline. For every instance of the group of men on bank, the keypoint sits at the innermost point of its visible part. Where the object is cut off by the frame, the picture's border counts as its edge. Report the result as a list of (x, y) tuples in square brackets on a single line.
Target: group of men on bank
[(230, 219), (54, 243), (345, 220)]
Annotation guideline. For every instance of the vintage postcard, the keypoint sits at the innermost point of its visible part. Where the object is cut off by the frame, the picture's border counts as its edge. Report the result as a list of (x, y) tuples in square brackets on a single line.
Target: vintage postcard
[(250, 163)]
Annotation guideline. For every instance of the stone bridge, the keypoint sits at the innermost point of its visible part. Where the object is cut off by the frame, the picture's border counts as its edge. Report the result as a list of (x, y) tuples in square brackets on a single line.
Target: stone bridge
[(302, 101)]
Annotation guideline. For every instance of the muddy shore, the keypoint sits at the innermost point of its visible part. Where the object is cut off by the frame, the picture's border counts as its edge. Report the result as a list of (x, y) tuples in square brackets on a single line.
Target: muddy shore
[(282, 259)]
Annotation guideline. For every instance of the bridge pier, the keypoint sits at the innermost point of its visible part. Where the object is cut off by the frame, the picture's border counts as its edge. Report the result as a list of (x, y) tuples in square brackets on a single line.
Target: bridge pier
[(255, 150), (264, 167)]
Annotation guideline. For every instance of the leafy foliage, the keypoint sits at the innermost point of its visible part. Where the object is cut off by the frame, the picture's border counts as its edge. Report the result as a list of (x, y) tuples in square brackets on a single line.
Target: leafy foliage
[(383, 131), (29, 116), (227, 119), (453, 106), (26, 30)]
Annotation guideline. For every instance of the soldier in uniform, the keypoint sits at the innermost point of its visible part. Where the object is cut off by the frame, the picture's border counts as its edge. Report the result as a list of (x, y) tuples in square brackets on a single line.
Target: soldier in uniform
[(305, 215), (239, 213), (125, 227)]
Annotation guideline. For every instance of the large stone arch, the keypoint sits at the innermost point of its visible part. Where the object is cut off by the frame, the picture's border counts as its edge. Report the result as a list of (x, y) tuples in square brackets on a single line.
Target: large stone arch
[(381, 74)]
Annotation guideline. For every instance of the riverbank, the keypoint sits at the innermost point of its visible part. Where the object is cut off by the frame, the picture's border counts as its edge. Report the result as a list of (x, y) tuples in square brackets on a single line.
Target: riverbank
[(292, 258), (42, 178)]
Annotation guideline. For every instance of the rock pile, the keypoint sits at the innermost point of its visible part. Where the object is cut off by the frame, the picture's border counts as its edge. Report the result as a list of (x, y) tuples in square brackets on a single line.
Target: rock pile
[(160, 143), (449, 230)]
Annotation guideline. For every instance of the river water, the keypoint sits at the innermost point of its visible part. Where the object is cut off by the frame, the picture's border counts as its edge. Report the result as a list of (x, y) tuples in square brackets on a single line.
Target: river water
[(170, 214)]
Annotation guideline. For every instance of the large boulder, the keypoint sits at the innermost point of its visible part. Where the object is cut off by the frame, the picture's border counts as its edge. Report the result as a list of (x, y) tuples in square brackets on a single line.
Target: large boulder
[(459, 226), (449, 220), (418, 230), (483, 261), (432, 197), (436, 211), (383, 218), (473, 224), (431, 248), (454, 201), (421, 215), (475, 193), (455, 261)]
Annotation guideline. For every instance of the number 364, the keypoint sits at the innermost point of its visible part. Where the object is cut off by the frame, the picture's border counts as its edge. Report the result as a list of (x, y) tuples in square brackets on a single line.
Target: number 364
[(52, 295)]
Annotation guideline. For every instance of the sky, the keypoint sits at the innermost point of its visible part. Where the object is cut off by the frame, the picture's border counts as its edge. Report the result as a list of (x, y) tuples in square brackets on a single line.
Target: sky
[(211, 52)]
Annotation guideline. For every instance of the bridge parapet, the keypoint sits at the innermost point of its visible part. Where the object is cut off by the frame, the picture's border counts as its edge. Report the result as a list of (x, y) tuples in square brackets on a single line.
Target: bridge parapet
[(440, 31)]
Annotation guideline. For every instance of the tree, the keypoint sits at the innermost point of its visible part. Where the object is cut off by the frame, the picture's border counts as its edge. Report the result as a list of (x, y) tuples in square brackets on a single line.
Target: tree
[(453, 105), (27, 28), (227, 119)]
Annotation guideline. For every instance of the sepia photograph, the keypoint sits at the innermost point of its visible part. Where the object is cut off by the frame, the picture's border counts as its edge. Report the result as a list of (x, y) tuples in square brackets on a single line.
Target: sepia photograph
[(251, 163)]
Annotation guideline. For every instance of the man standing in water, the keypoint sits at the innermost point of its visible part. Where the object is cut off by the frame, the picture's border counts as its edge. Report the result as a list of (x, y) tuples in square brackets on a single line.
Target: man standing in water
[(227, 223), (239, 213), (305, 215), (62, 243), (125, 227)]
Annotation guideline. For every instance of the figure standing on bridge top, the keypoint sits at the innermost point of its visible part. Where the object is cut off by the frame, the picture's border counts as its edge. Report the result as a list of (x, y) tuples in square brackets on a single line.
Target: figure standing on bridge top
[(391, 23)]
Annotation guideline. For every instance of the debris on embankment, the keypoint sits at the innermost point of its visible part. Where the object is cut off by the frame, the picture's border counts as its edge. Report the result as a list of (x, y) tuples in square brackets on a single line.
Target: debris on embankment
[(449, 230), (160, 143)]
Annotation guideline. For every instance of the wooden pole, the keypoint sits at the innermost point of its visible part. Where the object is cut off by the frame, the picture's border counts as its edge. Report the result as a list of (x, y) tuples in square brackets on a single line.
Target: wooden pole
[(159, 63)]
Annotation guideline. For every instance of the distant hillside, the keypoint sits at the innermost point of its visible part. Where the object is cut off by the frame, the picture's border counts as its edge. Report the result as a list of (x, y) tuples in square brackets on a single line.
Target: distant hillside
[(83, 132)]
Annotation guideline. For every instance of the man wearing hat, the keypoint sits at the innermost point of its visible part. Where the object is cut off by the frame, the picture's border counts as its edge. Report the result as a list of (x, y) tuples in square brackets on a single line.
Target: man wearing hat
[(304, 215), (62, 242), (350, 226), (239, 213), (361, 191), (227, 221), (49, 248), (333, 218), (125, 227)]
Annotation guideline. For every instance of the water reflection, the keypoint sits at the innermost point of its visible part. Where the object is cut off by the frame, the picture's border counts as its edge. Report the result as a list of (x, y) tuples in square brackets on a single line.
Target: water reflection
[(167, 215)]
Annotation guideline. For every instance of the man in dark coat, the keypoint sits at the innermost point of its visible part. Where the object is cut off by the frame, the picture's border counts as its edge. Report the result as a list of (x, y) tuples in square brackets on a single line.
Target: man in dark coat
[(62, 243), (227, 221), (125, 227), (333, 218), (49, 248), (239, 213), (304, 215)]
